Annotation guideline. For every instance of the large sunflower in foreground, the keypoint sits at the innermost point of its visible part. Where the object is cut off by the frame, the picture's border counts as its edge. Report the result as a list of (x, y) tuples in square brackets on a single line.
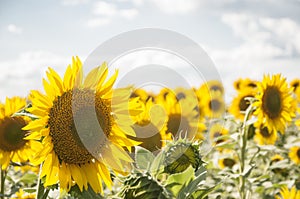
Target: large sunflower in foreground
[(83, 125), (285, 193), (12, 145), (274, 105)]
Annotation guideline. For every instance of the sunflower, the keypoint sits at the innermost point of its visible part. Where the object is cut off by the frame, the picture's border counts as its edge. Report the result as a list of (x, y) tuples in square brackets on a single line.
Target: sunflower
[(264, 136), (217, 133), (295, 84), (274, 105), (212, 105), (211, 86), (13, 148), (142, 94), (294, 154), (83, 126), (180, 155), (277, 158), (285, 193), (22, 195), (184, 93), (246, 83), (150, 127), (182, 118), (162, 95), (141, 185), (227, 162), (239, 104)]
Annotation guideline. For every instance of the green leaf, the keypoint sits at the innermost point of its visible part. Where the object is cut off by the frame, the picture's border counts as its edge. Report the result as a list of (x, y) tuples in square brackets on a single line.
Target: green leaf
[(202, 193), (29, 190), (157, 165), (193, 186), (28, 178), (85, 194), (176, 182), (143, 158)]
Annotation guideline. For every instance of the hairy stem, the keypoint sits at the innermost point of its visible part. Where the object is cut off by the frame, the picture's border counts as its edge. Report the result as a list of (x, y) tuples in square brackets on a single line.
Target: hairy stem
[(40, 190), (2, 187), (244, 137)]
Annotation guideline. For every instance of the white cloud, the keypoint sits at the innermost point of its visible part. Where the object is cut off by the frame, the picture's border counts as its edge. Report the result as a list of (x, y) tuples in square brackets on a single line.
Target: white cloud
[(12, 28), (105, 9), (105, 13), (129, 13), (25, 73), (96, 22), (269, 45), (263, 37), (177, 6), (74, 2)]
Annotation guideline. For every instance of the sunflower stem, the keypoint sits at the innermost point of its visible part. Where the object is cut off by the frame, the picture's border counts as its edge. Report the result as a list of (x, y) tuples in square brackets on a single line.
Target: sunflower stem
[(3, 176), (244, 136), (40, 194)]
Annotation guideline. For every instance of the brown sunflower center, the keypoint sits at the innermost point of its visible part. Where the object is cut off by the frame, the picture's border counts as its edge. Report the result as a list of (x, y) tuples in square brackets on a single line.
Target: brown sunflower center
[(216, 136), (295, 86), (228, 162), (265, 132), (11, 133), (252, 85), (215, 105), (79, 125), (298, 153), (244, 104), (216, 88), (178, 124), (180, 96), (271, 102)]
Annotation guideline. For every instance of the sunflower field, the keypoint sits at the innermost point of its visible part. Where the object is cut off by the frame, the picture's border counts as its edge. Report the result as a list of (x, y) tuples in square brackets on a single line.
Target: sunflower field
[(82, 138)]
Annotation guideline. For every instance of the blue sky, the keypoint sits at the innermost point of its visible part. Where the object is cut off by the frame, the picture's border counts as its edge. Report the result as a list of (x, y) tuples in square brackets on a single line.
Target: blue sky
[(245, 38)]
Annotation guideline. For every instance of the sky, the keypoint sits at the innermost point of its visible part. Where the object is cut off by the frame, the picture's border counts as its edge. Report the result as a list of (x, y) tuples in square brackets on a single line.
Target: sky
[(244, 38)]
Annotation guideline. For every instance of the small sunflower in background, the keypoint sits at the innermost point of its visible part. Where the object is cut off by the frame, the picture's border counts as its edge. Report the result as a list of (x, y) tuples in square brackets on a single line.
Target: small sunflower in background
[(150, 127), (285, 193), (295, 85), (227, 162), (217, 133), (277, 158), (180, 155), (274, 102), (22, 195), (183, 93), (13, 146), (211, 86), (294, 154), (246, 83), (143, 95), (162, 95), (212, 105), (76, 114), (264, 136), (239, 104), (182, 118)]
